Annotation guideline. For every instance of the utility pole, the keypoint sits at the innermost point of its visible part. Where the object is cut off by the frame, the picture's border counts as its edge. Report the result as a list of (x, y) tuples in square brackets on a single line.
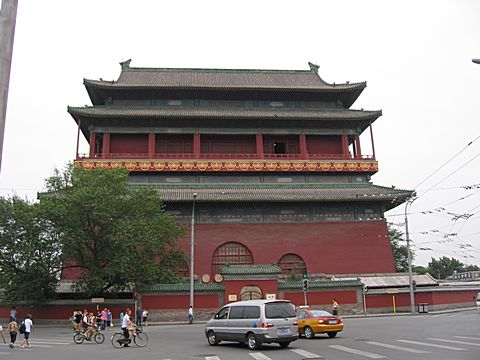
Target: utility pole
[(8, 17), (409, 256)]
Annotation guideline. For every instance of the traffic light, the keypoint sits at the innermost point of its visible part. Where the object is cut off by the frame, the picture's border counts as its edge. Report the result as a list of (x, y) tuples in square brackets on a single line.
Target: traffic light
[(305, 285), (305, 275)]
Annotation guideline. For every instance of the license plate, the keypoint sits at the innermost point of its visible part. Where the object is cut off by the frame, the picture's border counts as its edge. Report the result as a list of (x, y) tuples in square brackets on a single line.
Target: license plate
[(283, 330), (332, 321)]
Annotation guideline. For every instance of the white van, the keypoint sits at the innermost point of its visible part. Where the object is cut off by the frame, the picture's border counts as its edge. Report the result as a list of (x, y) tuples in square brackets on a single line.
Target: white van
[(254, 322)]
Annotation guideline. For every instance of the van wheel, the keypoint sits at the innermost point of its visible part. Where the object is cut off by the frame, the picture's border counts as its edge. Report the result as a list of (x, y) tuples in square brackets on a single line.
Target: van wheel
[(212, 338), (309, 334), (332, 334), (252, 342), (284, 344)]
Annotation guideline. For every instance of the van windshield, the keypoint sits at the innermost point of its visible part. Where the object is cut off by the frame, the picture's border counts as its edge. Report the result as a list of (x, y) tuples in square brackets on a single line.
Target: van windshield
[(279, 310)]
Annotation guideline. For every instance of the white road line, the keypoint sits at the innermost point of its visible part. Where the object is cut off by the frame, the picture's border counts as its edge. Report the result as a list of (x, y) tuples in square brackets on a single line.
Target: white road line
[(50, 342), (36, 346), (395, 347), (456, 342), (467, 337), (259, 356), (357, 352), (209, 358), (432, 345), (307, 354)]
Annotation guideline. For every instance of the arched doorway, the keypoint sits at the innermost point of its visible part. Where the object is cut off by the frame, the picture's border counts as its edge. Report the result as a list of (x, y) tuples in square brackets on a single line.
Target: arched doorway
[(250, 293)]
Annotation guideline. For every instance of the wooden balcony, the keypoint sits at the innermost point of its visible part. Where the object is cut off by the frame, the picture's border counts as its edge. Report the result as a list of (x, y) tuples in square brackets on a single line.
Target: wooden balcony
[(221, 156)]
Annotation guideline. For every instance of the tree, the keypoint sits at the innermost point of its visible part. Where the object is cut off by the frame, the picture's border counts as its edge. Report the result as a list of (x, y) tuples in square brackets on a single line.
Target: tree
[(421, 270), (444, 267), (471, 268), (113, 234), (400, 252), (30, 254)]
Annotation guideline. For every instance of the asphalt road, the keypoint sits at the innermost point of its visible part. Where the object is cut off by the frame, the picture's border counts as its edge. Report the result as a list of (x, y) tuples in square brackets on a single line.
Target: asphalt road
[(423, 337)]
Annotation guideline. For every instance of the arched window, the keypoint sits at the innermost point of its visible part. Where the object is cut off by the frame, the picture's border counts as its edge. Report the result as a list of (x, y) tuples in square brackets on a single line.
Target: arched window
[(231, 253), (291, 264)]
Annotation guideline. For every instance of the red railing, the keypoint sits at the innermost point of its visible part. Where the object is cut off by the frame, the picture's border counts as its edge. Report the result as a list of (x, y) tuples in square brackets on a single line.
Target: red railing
[(156, 156)]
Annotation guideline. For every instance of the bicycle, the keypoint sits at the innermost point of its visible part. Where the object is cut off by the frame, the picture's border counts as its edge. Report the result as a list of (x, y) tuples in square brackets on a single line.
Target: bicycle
[(80, 337), (139, 338)]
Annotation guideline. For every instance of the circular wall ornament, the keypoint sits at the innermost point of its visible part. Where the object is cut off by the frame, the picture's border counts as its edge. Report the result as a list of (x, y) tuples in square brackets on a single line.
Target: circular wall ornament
[(205, 278), (218, 278)]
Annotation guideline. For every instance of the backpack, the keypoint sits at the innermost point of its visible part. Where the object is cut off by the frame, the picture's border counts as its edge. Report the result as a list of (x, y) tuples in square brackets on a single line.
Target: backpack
[(22, 328)]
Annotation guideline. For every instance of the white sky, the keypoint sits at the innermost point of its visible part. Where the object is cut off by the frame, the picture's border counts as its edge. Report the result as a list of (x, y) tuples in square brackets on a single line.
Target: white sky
[(415, 56)]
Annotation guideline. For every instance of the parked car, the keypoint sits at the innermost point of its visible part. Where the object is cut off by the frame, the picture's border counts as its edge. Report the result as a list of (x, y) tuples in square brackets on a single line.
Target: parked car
[(254, 322), (312, 322)]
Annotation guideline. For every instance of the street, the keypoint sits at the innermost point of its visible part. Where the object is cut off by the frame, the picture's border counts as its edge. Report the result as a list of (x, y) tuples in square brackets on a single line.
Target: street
[(430, 336)]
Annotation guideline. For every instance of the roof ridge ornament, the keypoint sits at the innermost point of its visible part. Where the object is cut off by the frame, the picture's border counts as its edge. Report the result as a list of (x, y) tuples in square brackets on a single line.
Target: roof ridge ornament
[(125, 64), (313, 67)]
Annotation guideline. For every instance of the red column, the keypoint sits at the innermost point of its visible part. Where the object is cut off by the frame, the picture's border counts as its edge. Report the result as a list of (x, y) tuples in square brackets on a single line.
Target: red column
[(373, 144), (303, 146), (92, 145), (358, 152), (259, 145), (151, 145), (346, 153), (106, 145), (78, 138), (196, 145)]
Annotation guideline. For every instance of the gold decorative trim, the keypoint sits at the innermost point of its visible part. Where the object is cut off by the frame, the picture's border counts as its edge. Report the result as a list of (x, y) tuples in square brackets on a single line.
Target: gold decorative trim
[(231, 165)]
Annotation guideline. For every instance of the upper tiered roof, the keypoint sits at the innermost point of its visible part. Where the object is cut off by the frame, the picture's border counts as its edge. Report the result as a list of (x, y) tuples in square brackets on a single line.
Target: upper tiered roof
[(221, 79)]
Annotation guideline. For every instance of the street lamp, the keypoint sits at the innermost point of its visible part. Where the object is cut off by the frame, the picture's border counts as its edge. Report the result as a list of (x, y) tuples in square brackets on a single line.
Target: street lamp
[(192, 252), (409, 256)]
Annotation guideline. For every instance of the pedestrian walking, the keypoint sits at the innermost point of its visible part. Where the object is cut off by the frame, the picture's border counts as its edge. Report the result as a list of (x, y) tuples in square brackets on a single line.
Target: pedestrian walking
[(122, 314), (138, 316), (12, 329), (104, 318), (334, 307), (190, 315), (1, 333), (145, 317), (28, 329), (109, 318), (13, 314)]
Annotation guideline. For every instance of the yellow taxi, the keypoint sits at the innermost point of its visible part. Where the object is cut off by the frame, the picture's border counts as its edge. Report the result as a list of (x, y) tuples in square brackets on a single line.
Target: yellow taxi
[(312, 322)]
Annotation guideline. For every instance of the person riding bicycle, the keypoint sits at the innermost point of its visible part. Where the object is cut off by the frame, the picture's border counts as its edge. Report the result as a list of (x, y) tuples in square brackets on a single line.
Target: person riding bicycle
[(126, 326), (89, 320)]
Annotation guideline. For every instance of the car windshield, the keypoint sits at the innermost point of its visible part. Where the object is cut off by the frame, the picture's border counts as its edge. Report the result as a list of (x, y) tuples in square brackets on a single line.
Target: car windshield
[(279, 310), (320, 313)]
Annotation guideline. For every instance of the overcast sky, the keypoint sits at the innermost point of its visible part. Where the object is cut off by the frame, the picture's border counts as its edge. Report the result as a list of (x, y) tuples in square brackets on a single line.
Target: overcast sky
[(415, 56)]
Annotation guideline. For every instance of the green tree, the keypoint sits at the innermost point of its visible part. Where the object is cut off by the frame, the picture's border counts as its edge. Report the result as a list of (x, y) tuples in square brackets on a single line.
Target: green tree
[(400, 252), (113, 234), (471, 268), (422, 270), (444, 267), (30, 253)]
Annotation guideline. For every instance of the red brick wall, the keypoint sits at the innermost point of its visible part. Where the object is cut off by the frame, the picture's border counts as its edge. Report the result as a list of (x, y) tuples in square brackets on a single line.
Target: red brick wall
[(180, 301), (432, 298), (59, 312), (323, 297), (326, 247)]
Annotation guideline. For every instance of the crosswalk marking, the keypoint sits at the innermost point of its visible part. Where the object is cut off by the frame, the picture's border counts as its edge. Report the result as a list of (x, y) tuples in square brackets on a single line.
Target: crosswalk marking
[(432, 345), (259, 356), (210, 358), (455, 342), (467, 337), (395, 347), (357, 352), (50, 342), (307, 354)]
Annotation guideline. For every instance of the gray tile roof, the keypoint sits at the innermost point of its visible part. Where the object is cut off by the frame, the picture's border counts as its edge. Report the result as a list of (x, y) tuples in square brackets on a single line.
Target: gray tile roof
[(223, 112), (258, 269), (169, 288), (280, 192), (319, 284), (132, 77)]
